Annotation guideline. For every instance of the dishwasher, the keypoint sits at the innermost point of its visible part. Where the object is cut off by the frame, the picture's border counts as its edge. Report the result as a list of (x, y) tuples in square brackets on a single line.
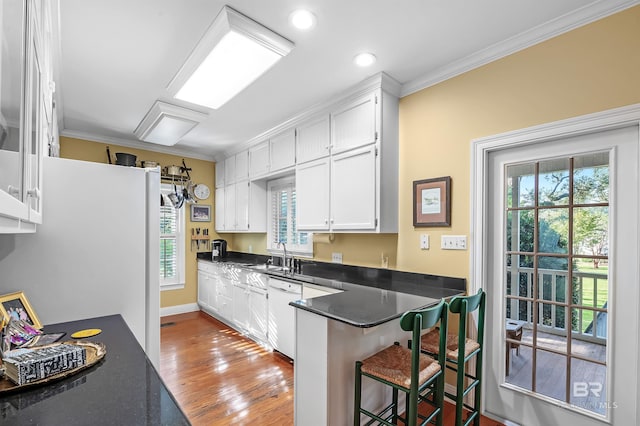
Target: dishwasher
[(282, 317)]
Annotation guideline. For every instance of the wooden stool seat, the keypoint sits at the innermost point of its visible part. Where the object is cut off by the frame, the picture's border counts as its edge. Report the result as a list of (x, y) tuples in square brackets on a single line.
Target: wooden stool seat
[(430, 341), (393, 364)]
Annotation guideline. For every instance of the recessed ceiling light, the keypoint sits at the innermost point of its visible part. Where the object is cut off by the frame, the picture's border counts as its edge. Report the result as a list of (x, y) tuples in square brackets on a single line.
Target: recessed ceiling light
[(166, 124), (302, 19), (365, 59)]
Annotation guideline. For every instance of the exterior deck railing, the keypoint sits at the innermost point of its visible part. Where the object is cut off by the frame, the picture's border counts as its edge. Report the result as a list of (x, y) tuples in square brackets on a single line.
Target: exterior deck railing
[(588, 325)]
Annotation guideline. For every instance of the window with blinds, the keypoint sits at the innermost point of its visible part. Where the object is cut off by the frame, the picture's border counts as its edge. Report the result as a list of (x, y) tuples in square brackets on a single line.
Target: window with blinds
[(171, 234), (282, 219)]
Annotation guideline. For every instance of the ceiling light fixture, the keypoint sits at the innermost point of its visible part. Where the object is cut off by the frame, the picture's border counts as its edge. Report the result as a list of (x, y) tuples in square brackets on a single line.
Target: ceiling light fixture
[(364, 59), (166, 124), (302, 19), (231, 55)]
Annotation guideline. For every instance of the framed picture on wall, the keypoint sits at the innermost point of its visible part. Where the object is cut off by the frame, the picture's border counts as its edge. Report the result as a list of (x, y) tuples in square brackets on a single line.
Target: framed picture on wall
[(432, 202), (16, 306), (200, 213)]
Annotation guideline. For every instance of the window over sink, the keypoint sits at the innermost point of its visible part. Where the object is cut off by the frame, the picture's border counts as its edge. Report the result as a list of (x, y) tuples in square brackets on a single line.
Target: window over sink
[(282, 219)]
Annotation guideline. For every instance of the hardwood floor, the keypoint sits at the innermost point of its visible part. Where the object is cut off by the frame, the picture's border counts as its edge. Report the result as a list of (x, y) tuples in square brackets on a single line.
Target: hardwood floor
[(219, 377)]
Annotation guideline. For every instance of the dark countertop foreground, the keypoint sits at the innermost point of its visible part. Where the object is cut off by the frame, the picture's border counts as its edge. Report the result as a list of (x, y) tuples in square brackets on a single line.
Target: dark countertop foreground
[(122, 389), (369, 297)]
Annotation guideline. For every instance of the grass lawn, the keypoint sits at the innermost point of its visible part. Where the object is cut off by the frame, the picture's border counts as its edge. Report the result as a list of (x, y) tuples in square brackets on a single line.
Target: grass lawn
[(588, 293)]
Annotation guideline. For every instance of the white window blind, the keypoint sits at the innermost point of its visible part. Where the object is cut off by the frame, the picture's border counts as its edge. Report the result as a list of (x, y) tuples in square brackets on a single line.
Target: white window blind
[(282, 219), (171, 243)]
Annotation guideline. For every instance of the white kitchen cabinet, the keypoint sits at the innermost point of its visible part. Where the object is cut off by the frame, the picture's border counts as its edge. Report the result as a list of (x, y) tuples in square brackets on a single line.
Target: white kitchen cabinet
[(224, 299), (220, 174), (313, 139), (312, 195), (354, 124), (283, 151), (26, 119), (236, 167), (219, 210), (258, 314), (241, 308), (259, 160), (206, 287), (353, 190), (230, 218), (245, 207)]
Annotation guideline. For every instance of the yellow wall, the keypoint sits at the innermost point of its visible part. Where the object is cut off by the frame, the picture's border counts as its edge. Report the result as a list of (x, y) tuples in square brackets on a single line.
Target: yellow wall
[(203, 172)]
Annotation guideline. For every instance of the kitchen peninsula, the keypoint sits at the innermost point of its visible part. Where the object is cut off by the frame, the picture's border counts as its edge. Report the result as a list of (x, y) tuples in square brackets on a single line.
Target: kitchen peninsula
[(335, 330)]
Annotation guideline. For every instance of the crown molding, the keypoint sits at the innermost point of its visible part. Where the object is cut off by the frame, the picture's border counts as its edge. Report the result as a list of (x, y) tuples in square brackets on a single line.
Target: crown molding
[(562, 24), (137, 145)]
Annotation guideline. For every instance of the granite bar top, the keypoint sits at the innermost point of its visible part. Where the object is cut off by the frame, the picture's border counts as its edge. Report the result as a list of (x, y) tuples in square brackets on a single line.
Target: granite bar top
[(122, 389), (369, 296)]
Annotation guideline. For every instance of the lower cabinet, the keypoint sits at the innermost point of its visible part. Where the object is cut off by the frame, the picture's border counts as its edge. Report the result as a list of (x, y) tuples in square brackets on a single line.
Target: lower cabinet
[(223, 292)]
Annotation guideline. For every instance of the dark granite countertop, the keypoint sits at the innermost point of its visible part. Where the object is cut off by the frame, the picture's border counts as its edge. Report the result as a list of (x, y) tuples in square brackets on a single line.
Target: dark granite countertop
[(369, 297), (122, 389)]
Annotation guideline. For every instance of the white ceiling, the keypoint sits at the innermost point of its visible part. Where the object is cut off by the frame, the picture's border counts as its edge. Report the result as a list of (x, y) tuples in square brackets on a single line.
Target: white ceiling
[(116, 57)]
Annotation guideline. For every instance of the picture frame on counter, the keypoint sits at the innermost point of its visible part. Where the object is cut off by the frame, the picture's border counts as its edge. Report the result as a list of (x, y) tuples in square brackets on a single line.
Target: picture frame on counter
[(432, 202), (200, 213), (17, 306)]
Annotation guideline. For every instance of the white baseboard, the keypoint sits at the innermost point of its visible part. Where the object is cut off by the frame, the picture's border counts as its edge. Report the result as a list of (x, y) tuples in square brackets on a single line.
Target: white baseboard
[(179, 309)]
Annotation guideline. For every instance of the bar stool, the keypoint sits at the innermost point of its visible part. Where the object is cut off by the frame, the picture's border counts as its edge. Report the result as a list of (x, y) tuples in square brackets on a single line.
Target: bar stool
[(420, 376), (456, 359)]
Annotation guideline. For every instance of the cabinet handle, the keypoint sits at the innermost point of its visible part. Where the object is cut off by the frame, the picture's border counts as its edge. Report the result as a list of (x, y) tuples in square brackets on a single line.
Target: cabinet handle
[(331, 220), (34, 193), (326, 221), (13, 191)]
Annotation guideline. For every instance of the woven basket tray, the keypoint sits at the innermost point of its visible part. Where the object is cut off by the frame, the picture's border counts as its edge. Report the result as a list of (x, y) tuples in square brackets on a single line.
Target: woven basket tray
[(95, 352)]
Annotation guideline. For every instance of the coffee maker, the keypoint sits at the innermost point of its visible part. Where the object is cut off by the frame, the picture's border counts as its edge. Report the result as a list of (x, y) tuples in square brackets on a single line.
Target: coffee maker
[(219, 249)]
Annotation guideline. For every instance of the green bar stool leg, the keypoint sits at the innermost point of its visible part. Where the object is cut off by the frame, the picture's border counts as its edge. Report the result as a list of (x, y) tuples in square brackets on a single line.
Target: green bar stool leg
[(358, 395), (394, 410)]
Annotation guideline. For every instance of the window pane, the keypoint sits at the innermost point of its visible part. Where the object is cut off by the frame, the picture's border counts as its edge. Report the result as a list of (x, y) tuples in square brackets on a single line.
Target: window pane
[(591, 178), (551, 374), (168, 253), (520, 185), (553, 182), (589, 386), (591, 231), (553, 230)]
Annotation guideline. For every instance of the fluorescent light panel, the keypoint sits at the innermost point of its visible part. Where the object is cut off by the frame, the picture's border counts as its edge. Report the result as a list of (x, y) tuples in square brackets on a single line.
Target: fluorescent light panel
[(166, 124), (232, 54)]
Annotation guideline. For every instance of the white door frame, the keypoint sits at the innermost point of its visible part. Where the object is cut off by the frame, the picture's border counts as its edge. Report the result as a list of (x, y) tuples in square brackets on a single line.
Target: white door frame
[(482, 147)]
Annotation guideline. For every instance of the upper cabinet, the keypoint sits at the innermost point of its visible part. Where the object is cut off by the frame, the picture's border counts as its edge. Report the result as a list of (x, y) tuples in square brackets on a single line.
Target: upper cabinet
[(355, 123), (220, 174), (313, 139), (259, 160), (236, 168), (283, 151), (27, 116)]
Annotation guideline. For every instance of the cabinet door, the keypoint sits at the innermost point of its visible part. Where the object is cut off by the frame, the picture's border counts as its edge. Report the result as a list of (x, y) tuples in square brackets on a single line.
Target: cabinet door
[(312, 195), (241, 306), (219, 210), (354, 124), (12, 157), (242, 165), (353, 190), (204, 289), (242, 206), (230, 223), (220, 174), (283, 150), (258, 315), (259, 160), (313, 140), (230, 170)]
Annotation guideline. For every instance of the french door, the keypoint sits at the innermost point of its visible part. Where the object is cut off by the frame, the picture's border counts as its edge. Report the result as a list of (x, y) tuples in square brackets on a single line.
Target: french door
[(560, 231)]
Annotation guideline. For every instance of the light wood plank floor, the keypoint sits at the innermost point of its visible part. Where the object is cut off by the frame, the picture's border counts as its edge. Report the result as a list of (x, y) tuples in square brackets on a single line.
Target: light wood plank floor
[(220, 377)]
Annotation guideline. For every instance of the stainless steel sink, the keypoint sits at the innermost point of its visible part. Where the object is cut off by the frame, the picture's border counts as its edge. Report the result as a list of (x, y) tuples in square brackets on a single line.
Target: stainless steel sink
[(265, 267)]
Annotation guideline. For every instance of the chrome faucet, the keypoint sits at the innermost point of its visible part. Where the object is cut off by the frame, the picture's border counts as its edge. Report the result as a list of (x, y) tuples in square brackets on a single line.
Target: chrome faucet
[(284, 256)]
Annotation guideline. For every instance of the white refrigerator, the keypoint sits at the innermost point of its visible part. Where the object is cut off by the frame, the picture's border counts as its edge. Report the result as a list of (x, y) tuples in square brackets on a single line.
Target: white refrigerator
[(97, 250)]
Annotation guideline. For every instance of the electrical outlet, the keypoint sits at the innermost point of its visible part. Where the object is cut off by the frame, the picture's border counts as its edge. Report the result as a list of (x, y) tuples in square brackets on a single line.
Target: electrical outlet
[(424, 241), (336, 257), (453, 242)]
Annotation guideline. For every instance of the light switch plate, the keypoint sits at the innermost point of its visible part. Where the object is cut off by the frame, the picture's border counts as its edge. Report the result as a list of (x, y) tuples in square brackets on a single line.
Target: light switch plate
[(336, 257), (453, 242), (424, 241)]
